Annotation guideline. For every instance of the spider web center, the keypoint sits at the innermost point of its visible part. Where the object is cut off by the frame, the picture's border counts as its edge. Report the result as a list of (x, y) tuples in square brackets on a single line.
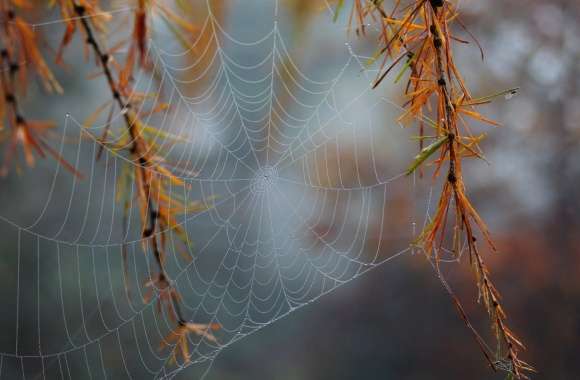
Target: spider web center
[(265, 179)]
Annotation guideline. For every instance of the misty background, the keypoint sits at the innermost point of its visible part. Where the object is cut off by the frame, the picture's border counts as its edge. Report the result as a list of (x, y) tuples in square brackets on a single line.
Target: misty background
[(304, 257)]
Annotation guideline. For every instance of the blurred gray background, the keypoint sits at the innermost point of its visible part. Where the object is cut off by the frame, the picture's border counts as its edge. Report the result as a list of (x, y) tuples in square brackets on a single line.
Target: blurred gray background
[(280, 127)]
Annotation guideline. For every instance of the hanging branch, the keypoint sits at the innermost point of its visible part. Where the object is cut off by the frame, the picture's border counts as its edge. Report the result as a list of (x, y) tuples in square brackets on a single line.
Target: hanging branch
[(421, 33), (19, 50), (151, 178)]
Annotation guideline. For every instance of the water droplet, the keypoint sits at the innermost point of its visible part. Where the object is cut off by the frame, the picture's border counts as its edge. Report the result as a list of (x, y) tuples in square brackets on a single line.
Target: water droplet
[(510, 94), (124, 111)]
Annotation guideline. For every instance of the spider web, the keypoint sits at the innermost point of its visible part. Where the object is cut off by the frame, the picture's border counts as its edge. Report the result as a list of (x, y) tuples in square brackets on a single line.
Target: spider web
[(292, 155)]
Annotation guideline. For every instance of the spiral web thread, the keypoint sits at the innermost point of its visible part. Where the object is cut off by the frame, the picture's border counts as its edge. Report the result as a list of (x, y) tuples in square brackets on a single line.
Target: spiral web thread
[(290, 219)]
